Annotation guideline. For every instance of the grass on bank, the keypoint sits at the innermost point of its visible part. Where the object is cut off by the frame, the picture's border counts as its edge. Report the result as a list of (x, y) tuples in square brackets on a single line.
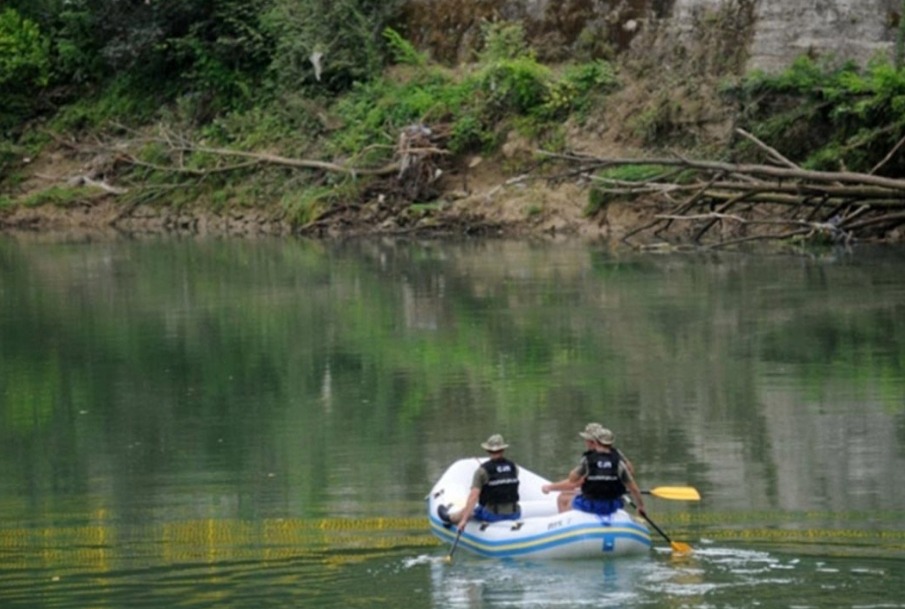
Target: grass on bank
[(820, 115)]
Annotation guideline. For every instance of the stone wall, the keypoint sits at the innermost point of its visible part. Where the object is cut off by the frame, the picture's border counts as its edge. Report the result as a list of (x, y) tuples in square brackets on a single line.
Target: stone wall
[(846, 29), (777, 31)]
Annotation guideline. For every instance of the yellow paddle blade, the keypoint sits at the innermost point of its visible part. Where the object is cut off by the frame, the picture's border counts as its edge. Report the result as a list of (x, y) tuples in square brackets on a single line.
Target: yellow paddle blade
[(679, 493), (680, 547)]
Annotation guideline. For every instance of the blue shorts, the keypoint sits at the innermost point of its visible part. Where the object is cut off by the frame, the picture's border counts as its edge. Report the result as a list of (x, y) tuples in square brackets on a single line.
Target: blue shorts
[(601, 507), (485, 515)]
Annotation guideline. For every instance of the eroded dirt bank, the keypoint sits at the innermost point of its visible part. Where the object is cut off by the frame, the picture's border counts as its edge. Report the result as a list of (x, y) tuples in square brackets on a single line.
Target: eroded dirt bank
[(516, 210)]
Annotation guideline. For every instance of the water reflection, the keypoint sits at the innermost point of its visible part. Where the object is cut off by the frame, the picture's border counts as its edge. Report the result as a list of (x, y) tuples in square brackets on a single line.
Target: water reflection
[(711, 577), (101, 547), (476, 584), (199, 417), (196, 563)]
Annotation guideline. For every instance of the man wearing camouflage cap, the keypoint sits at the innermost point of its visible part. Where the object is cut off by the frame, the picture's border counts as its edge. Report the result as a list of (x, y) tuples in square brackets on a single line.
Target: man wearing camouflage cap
[(494, 489), (602, 474), (592, 432)]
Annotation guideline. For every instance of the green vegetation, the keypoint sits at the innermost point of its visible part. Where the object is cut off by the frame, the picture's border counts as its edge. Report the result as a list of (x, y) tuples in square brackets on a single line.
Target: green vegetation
[(24, 64), (60, 196), (661, 121), (262, 76), (828, 116)]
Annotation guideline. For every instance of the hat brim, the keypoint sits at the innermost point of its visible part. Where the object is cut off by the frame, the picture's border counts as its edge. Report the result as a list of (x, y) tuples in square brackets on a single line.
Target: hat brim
[(586, 436), (493, 449)]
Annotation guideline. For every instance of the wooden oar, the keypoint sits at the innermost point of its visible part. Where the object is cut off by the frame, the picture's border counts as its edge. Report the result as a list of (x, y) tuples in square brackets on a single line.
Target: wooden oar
[(455, 544), (677, 546), (678, 493)]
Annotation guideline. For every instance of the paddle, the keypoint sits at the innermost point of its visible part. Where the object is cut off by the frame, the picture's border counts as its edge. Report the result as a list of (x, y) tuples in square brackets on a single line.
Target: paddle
[(455, 544), (678, 493), (677, 546)]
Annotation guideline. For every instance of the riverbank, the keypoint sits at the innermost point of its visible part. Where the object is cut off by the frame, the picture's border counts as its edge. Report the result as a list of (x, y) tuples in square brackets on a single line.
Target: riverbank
[(477, 196), (482, 199), (504, 147), (509, 190)]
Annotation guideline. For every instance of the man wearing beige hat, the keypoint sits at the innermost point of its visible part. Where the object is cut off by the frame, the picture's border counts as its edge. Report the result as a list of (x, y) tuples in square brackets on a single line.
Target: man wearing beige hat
[(494, 489), (591, 432), (603, 475)]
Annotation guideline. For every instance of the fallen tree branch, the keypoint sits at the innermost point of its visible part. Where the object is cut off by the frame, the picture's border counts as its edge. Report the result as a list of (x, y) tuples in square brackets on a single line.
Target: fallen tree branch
[(772, 152), (888, 156), (181, 168), (813, 202), (824, 226), (784, 173), (895, 219), (717, 216), (276, 159), (784, 236)]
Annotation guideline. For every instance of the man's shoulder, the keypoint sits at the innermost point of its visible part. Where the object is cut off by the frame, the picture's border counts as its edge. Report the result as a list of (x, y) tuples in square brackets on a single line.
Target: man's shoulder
[(620, 453)]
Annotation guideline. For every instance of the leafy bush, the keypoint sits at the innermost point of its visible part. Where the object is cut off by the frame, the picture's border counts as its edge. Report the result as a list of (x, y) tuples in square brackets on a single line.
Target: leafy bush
[(120, 101), (333, 44), (214, 50), (825, 116), (468, 134), (222, 53), (79, 40), (514, 85), (510, 78), (504, 41), (509, 86), (402, 50), (580, 87), (374, 113), (24, 65)]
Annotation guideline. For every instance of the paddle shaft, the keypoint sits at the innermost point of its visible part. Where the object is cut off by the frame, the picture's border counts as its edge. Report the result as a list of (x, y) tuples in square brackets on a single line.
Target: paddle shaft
[(656, 528), (454, 546), (675, 545)]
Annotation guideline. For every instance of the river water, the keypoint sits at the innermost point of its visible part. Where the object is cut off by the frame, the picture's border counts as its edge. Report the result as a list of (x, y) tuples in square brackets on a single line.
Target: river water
[(239, 423)]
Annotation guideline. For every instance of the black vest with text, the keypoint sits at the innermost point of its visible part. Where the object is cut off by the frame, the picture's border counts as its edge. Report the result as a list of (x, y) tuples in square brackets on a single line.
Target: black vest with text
[(602, 481), (502, 487)]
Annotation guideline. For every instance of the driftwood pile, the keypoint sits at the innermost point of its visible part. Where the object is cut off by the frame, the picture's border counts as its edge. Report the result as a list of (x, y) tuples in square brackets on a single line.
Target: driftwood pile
[(718, 205), (419, 151)]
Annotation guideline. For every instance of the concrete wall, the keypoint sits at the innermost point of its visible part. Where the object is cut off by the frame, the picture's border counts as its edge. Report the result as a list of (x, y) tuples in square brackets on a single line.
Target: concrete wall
[(778, 30), (848, 29)]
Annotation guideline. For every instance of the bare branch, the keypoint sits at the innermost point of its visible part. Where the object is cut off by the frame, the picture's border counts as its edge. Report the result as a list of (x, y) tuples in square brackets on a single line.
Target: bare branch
[(784, 173), (889, 156), (188, 171), (769, 149), (297, 163), (811, 203)]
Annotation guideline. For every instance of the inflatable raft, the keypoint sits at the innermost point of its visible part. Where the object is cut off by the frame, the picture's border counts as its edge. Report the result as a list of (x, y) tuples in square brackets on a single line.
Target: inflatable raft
[(542, 532)]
